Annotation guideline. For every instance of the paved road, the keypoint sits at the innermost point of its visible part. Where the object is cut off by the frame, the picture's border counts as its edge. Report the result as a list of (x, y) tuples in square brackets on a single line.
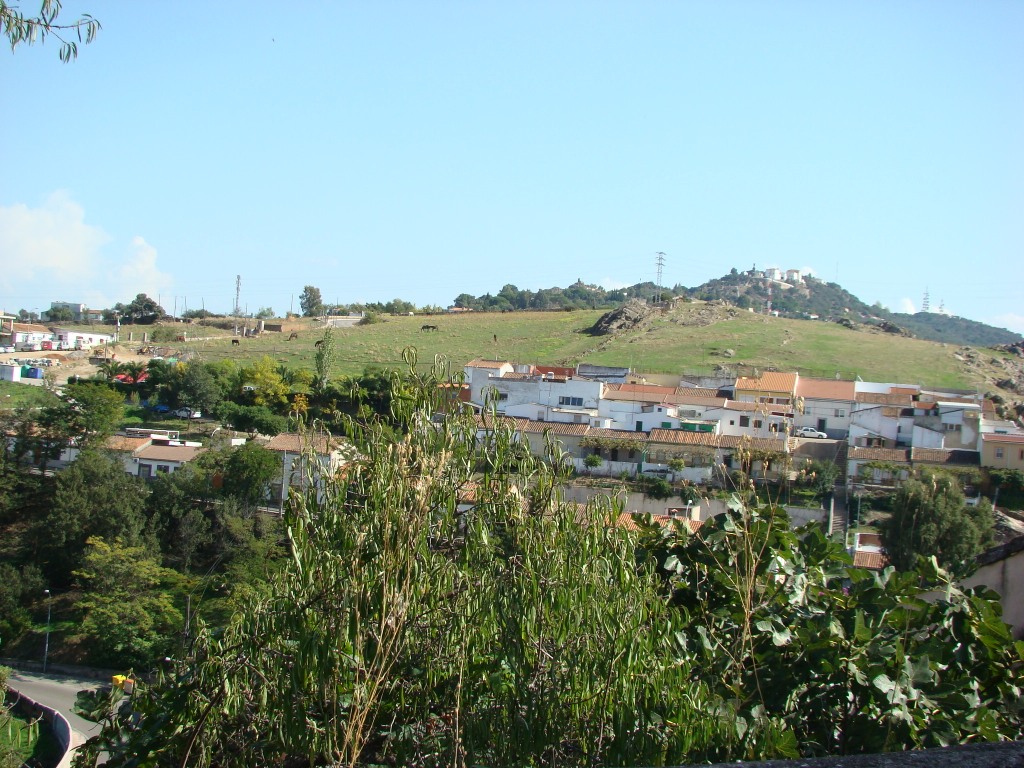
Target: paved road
[(58, 692)]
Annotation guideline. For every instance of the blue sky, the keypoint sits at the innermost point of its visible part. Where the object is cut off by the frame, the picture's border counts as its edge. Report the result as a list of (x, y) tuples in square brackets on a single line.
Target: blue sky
[(420, 150)]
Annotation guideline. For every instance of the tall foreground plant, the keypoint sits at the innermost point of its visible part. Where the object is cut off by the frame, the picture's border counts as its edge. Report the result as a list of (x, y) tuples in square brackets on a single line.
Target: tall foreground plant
[(435, 615), (445, 607)]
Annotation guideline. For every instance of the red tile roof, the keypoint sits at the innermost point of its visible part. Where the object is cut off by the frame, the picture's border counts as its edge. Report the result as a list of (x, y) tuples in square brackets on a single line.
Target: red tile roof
[(180, 453), (771, 381), (892, 455), (873, 561), (292, 442), (630, 521), (554, 427), (945, 456), (125, 444), (486, 363), (825, 389), (992, 437)]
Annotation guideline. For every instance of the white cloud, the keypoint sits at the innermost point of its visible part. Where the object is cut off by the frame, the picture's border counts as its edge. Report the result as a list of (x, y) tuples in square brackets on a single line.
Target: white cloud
[(1009, 320), (50, 254), (907, 306), (138, 273), (613, 285), (50, 246)]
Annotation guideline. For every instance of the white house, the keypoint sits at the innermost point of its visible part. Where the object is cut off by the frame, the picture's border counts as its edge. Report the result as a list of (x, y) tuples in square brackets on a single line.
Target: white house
[(30, 333), (543, 395), (485, 369), (826, 405), (79, 340), (163, 457), (306, 460)]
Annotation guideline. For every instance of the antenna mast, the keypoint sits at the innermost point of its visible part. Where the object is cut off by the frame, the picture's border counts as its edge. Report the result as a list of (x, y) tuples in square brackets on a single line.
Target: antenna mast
[(925, 303)]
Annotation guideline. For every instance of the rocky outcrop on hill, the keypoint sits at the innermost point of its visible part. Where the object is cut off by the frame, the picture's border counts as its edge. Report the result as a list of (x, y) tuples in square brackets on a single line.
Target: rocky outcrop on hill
[(628, 317)]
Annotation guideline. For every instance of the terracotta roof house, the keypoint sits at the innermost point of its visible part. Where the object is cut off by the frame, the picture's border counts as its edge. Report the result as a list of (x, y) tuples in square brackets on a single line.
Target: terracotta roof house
[(307, 460), (1002, 451), (154, 459)]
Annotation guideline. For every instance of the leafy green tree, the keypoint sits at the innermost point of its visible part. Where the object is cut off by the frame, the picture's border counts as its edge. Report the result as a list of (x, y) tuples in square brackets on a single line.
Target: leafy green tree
[(310, 301), (143, 309), (839, 659), (129, 619), (592, 461), (248, 473), (265, 313), (91, 412), (60, 314), (18, 28), (269, 388), (92, 497), (200, 389), (930, 519), (252, 418)]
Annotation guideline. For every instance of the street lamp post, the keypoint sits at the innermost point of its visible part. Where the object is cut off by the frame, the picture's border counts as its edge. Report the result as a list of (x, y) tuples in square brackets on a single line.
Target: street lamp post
[(46, 646)]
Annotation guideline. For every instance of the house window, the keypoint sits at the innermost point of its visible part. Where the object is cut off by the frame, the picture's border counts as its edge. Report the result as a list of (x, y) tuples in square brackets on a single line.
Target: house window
[(732, 422), (666, 425), (840, 412), (744, 421), (165, 468), (952, 427), (577, 401), (614, 456), (999, 453), (757, 423), (502, 396)]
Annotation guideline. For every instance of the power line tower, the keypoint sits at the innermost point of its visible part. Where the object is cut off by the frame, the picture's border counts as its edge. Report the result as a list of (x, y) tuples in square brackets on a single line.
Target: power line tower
[(659, 261), (926, 302)]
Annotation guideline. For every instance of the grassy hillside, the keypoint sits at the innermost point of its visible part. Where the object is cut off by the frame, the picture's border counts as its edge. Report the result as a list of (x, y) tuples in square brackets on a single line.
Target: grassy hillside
[(691, 338)]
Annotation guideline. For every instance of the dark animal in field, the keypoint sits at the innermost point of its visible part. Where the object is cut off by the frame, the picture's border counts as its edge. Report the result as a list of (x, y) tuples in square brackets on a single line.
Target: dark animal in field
[(319, 344), (295, 335), (495, 338), (428, 328), (235, 342)]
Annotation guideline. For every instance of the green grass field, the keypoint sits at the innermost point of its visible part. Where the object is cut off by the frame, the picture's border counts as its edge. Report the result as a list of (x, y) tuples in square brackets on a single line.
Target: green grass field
[(15, 394), (670, 344)]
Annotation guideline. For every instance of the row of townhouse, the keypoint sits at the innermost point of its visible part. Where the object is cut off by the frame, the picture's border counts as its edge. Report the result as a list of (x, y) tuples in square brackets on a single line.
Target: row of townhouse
[(20, 335), (306, 461), (881, 425)]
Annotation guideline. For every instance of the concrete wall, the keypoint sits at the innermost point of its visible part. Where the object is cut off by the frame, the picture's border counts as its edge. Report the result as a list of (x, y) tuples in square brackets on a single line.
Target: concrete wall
[(59, 724), (1005, 576)]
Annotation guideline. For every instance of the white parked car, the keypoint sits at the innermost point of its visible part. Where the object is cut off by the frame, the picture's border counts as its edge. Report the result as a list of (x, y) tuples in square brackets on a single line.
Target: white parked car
[(187, 413), (6, 349), (809, 432)]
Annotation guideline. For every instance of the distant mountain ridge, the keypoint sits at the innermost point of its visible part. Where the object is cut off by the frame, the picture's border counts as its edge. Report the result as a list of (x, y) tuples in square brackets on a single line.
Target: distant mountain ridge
[(804, 297)]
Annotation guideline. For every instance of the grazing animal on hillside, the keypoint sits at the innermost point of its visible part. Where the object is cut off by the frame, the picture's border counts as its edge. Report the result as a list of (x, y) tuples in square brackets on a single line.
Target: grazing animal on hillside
[(428, 328), (495, 338), (235, 342), (295, 335)]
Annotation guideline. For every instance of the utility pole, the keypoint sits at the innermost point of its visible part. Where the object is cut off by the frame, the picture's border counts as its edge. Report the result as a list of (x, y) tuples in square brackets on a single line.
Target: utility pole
[(238, 299)]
